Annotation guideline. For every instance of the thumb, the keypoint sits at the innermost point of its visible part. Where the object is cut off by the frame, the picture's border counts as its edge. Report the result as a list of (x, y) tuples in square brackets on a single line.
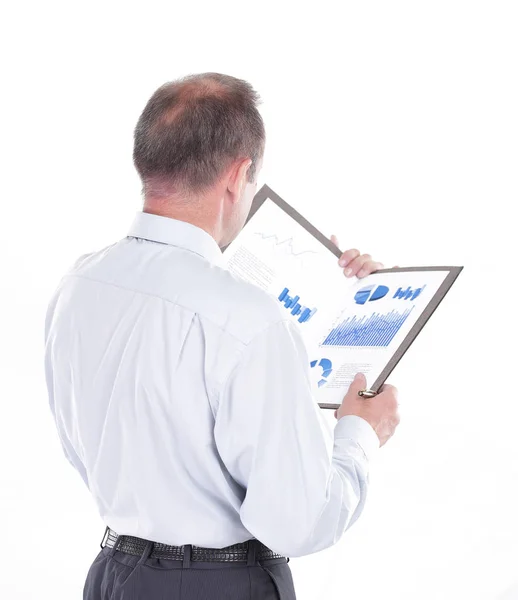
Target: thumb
[(358, 383), (334, 239)]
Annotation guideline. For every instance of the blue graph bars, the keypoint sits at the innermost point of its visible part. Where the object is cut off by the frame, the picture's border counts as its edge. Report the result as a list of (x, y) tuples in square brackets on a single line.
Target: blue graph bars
[(376, 330), (409, 293), (295, 307)]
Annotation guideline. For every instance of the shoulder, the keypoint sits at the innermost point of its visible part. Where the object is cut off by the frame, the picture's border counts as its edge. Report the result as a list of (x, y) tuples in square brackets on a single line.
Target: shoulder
[(91, 259), (241, 308), (231, 304)]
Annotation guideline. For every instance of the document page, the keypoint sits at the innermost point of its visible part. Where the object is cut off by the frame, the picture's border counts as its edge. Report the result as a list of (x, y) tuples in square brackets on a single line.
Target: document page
[(378, 314), (274, 252), (348, 325)]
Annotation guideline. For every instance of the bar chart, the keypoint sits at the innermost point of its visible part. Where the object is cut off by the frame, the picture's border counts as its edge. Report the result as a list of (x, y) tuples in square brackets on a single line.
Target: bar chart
[(374, 330), (292, 303)]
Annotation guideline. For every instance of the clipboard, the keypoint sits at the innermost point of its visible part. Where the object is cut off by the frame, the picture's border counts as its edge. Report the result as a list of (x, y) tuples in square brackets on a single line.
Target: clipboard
[(266, 193)]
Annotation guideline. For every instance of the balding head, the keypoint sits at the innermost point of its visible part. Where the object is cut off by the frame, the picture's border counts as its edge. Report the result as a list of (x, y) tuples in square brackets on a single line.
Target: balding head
[(194, 128)]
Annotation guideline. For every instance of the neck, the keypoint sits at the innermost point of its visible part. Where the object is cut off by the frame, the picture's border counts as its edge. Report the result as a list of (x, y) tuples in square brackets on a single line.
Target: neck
[(202, 214)]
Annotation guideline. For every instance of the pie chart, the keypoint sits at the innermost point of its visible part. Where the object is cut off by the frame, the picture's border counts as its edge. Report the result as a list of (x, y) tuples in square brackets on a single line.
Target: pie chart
[(370, 292)]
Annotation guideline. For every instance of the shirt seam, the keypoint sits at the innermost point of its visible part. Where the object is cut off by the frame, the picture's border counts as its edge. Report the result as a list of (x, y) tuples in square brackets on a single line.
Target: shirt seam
[(198, 253), (243, 343), (239, 358)]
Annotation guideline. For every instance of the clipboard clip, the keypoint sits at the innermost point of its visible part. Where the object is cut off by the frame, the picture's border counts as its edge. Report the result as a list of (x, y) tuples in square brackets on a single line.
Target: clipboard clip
[(367, 393)]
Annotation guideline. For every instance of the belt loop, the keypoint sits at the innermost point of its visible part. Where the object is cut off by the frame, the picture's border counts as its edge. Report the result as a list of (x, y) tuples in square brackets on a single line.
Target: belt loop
[(187, 551), (113, 550), (145, 554), (251, 559)]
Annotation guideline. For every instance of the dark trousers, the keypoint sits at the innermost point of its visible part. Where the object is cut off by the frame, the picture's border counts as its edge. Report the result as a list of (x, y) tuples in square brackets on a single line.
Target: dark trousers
[(115, 575)]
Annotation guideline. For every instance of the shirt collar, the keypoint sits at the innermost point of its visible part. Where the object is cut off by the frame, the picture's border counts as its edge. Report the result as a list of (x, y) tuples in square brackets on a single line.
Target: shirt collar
[(166, 230)]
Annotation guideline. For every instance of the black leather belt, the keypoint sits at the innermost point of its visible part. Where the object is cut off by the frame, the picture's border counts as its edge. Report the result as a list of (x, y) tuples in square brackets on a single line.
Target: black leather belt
[(136, 546)]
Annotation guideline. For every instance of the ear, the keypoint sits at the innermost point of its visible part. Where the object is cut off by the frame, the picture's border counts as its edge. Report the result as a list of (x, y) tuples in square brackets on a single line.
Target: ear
[(238, 177)]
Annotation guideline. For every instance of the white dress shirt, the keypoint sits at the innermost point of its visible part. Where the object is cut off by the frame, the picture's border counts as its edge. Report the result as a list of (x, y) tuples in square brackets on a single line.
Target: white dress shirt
[(182, 396)]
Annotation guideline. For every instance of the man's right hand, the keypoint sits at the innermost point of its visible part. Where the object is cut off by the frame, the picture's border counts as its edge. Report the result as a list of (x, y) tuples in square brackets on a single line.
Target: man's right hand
[(381, 411)]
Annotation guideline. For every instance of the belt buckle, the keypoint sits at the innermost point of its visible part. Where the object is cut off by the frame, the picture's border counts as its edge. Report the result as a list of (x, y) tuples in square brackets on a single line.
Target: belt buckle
[(104, 536)]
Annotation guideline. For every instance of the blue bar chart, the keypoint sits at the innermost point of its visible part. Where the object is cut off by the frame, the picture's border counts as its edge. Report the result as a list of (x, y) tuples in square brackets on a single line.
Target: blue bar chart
[(292, 303), (408, 293), (375, 330)]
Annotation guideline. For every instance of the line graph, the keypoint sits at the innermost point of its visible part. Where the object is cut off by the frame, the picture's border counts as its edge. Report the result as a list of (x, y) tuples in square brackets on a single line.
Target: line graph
[(285, 244)]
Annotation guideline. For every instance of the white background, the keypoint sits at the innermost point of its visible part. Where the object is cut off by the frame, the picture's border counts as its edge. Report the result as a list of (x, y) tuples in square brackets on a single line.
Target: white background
[(393, 125)]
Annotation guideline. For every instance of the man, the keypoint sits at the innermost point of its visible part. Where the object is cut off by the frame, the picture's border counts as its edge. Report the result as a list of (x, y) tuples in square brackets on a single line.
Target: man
[(182, 394)]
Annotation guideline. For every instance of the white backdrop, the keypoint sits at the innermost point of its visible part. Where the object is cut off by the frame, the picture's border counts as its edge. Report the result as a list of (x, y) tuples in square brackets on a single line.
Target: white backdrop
[(393, 125)]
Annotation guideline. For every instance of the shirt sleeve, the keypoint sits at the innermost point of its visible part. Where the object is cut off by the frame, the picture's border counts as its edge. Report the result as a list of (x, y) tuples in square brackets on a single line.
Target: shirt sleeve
[(304, 488), (74, 460), (68, 450)]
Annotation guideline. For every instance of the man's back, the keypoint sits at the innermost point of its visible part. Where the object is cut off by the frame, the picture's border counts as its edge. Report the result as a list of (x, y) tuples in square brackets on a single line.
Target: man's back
[(143, 335), (171, 402)]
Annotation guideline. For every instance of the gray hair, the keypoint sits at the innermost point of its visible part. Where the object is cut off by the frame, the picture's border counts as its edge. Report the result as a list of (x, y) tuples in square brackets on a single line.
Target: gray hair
[(192, 129)]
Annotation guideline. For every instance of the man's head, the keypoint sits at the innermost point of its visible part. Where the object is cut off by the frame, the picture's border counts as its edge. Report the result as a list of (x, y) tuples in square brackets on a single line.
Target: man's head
[(198, 149)]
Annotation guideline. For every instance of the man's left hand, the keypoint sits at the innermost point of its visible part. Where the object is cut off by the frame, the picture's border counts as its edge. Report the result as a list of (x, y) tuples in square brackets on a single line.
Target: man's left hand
[(355, 263)]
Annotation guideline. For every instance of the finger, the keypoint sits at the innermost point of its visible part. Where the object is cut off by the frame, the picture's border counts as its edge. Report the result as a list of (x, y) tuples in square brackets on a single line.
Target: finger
[(369, 267), (348, 256), (394, 390), (358, 383), (336, 414), (387, 387), (396, 267), (356, 264), (334, 239)]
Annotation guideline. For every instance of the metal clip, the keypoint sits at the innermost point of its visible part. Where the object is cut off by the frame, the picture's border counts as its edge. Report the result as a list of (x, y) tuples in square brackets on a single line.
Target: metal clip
[(367, 393)]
